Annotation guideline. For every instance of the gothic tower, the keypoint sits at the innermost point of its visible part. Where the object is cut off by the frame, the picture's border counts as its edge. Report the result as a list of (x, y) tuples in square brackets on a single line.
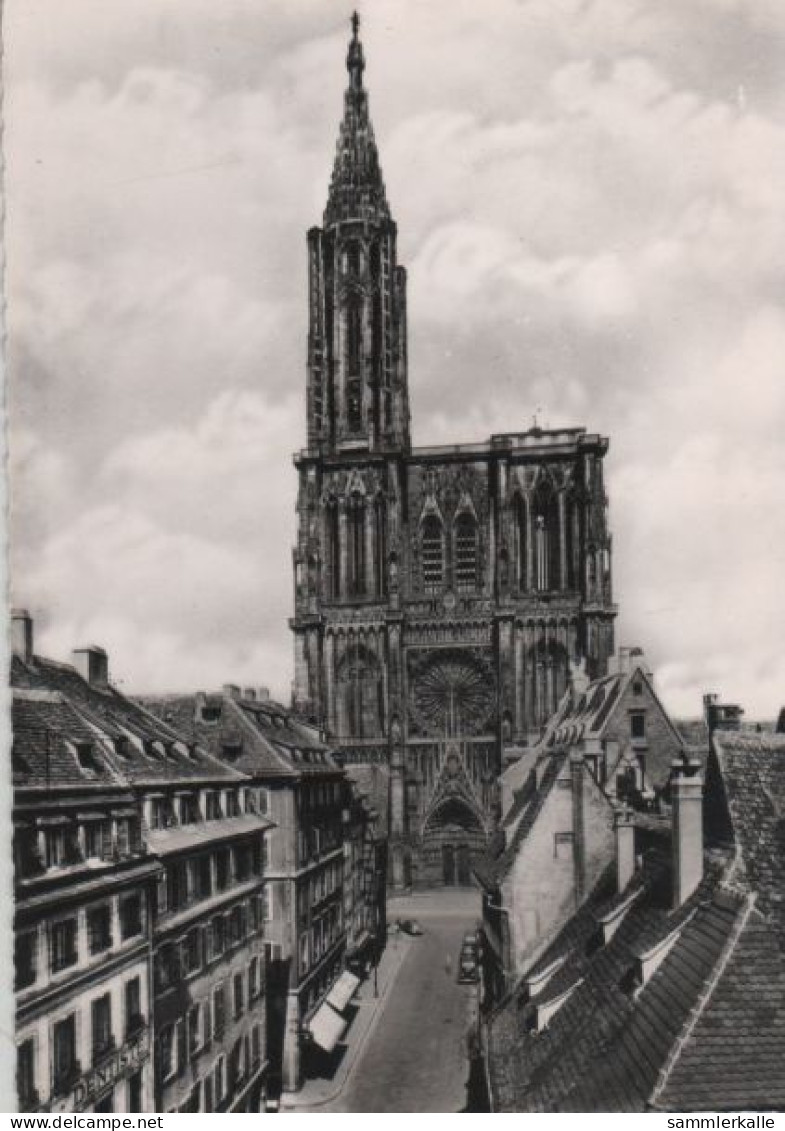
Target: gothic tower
[(440, 593)]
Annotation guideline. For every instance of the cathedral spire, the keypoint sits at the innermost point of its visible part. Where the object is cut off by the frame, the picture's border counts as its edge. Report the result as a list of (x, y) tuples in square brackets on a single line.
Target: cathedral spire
[(356, 189)]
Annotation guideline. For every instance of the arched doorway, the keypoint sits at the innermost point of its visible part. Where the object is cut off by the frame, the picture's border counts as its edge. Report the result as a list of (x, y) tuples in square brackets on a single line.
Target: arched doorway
[(453, 838)]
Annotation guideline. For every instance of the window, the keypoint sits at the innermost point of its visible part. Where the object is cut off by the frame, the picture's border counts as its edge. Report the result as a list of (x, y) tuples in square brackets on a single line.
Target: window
[(101, 1014), (25, 1076), (99, 928), (242, 863), (98, 840), (637, 687), (355, 532), (25, 958), (166, 1052), (253, 979), (64, 1065), (521, 542), (562, 846), (432, 552), (256, 1046), (236, 1064), (213, 805), (638, 724), (219, 1079), (219, 1015), (194, 1029), (130, 916), (135, 1092), (466, 552), (208, 1092), (219, 936), (232, 803), (192, 952), (546, 539), (167, 966), (333, 534), (133, 1007), (188, 809), (177, 885), (222, 869), (202, 877), (238, 996), (62, 942), (237, 924), (55, 848)]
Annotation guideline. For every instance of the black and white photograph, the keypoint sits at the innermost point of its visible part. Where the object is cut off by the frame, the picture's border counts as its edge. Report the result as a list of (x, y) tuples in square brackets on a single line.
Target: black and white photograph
[(395, 432)]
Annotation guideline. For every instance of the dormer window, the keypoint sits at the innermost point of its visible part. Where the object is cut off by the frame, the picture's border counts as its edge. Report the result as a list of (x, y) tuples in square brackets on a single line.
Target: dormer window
[(213, 805), (545, 1011), (88, 764), (536, 983), (121, 747)]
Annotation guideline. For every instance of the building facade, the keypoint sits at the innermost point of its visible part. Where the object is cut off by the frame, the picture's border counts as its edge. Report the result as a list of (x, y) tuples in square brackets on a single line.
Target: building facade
[(140, 895), (440, 593), (295, 781)]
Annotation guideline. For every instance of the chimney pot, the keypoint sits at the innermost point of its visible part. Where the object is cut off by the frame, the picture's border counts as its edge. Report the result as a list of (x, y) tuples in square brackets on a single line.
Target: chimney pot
[(92, 663), (687, 837), (22, 634), (263, 694), (250, 693), (231, 691)]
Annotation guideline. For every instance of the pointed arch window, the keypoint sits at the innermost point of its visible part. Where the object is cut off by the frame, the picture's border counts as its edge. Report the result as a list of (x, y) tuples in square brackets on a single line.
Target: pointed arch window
[(467, 566), (547, 552), (432, 549), (380, 545), (571, 534), (355, 532), (354, 364), (521, 539), (333, 550)]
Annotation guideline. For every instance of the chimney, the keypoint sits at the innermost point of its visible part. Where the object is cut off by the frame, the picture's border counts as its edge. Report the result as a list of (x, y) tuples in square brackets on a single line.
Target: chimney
[(92, 663), (250, 693), (263, 694), (687, 839), (721, 716), (22, 634), (625, 848), (231, 691)]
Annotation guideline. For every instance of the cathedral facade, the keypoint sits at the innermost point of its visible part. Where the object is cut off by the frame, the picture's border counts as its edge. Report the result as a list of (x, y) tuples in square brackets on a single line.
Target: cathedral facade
[(440, 593)]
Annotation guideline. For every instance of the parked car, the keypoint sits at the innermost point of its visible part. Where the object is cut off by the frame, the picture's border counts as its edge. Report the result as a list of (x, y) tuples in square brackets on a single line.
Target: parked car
[(471, 941), (468, 967), (409, 926)]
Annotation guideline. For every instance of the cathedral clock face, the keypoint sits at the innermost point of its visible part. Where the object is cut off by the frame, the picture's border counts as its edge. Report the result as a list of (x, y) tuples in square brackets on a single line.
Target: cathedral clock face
[(453, 694)]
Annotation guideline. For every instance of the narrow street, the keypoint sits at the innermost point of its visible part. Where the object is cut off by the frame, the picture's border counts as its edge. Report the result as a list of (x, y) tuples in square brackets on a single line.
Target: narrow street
[(414, 1060)]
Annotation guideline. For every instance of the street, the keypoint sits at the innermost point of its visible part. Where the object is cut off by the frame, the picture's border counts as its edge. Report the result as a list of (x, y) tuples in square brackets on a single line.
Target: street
[(414, 1060)]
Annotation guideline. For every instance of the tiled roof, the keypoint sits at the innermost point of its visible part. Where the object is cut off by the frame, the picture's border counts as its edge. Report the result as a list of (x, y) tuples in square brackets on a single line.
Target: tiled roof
[(612, 1043), (752, 767), (152, 752), (491, 868), (260, 739), (163, 842), (45, 731), (707, 1030)]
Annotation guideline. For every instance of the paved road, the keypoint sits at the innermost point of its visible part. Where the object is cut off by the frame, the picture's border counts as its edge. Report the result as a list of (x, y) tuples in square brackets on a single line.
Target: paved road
[(415, 1058)]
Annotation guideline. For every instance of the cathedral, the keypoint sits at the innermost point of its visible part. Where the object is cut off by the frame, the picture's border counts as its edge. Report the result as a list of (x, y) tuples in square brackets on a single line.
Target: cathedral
[(441, 593)]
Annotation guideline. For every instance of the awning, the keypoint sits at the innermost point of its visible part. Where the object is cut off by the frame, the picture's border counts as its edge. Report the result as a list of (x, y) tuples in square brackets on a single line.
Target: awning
[(343, 991), (327, 1027)]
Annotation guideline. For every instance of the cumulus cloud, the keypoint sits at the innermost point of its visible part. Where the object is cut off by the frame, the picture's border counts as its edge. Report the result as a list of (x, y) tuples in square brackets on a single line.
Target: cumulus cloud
[(589, 202)]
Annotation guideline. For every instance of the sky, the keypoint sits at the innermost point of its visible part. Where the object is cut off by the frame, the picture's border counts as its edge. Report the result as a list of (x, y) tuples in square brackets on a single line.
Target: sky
[(590, 196)]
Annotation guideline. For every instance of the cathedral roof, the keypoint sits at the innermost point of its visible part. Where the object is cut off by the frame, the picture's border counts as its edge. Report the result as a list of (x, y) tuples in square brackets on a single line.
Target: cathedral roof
[(356, 189)]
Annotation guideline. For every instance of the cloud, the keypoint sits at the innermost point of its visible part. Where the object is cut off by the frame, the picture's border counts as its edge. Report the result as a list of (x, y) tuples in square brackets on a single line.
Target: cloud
[(589, 203)]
